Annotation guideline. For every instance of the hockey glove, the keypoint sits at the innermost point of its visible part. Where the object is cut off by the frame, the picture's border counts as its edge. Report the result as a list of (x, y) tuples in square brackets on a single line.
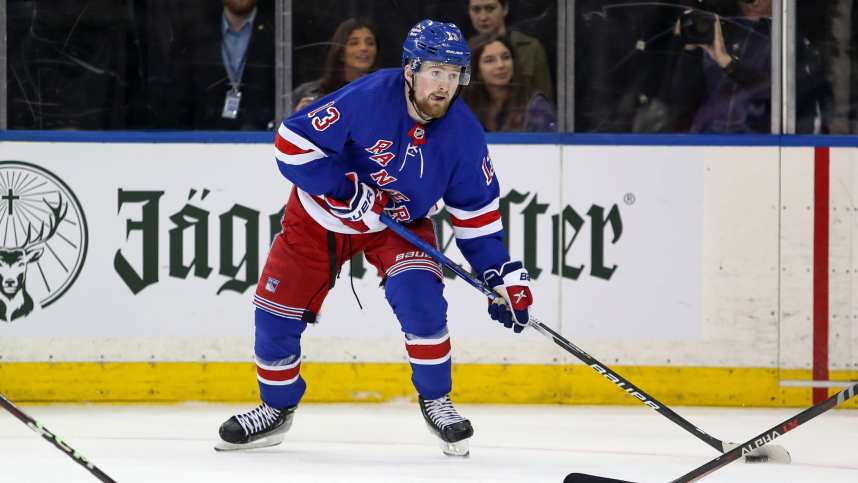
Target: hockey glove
[(512, 282), (363, 209)]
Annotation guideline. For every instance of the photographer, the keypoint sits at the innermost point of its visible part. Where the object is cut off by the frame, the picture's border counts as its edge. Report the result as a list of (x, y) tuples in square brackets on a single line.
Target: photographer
[(721, 81)]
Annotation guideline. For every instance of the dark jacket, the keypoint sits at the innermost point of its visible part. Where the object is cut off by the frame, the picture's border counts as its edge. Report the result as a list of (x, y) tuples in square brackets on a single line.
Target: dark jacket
[(203, 82), (706, 98)]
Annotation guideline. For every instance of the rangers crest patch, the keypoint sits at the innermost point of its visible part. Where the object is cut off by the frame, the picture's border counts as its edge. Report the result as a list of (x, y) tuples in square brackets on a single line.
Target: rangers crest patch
[(271, 284)]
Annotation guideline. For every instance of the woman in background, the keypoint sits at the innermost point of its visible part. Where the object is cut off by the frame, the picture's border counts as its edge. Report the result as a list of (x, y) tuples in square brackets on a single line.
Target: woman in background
[(353, 53), (497, 94)]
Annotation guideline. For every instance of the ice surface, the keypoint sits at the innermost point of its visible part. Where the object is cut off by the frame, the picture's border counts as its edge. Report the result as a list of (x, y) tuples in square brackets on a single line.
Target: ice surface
[(389, 442)]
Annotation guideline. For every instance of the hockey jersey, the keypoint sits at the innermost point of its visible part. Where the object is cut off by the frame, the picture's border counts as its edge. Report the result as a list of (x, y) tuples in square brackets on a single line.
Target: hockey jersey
[(365, 128)]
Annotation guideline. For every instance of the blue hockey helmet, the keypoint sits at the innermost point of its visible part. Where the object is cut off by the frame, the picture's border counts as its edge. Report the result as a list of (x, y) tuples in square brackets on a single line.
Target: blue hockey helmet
[(431, 41)]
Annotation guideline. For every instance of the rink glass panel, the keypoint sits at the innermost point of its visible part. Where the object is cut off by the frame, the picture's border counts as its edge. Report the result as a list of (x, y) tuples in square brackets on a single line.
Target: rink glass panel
[(314, 24), (633, 72), (826, 67), (122, 65)]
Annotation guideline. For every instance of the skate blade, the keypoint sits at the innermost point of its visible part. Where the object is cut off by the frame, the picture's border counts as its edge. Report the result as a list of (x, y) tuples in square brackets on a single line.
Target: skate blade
[(460, 449), (265, 442), (770, 453)]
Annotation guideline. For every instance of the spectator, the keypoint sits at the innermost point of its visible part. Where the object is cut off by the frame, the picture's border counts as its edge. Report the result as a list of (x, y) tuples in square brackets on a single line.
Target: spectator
[(353, 53), (225, 68), (489, 17), (498, 95), (724, 86)]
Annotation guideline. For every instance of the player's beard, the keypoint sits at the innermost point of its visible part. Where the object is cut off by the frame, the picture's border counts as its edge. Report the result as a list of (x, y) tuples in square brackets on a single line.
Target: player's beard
[(433, 109)]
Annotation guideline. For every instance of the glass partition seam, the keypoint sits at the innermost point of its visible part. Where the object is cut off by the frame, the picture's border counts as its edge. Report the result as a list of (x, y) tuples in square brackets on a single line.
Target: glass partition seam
[(283, 53), (788, 72), (561, 65), (278, 59), (567, 38), (777, 74), (3, 60)]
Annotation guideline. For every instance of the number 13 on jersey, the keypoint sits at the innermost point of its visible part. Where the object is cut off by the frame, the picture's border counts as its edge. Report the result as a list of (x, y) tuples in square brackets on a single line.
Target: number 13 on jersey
[(321, 122)]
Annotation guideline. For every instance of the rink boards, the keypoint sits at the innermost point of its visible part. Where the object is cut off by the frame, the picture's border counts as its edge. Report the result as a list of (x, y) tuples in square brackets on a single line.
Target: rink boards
[(692, 270)]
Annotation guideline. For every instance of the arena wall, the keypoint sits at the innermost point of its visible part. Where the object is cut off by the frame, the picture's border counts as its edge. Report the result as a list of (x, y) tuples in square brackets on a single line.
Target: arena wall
[(690, 269)]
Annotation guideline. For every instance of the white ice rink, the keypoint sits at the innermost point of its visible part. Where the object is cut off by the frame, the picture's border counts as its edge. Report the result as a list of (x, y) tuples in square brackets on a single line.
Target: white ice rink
[(388, 442)]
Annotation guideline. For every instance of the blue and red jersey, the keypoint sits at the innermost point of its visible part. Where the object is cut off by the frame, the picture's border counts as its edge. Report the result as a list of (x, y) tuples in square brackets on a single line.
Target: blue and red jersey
[(364, 128)]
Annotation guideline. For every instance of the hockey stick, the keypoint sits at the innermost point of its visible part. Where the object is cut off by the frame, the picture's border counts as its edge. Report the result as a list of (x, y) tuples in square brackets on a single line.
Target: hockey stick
[(58, 442), (756, 442), (774, 453)]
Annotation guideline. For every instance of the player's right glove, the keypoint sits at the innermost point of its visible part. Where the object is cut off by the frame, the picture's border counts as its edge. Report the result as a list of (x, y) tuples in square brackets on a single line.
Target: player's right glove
[(363, 209), (512, 282)]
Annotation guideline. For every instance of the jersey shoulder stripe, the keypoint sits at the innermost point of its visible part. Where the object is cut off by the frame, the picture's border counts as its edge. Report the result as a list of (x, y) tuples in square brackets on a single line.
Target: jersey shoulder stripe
[(467, 233), (477, 221), (482, 221), (465, 213), (294, 149)]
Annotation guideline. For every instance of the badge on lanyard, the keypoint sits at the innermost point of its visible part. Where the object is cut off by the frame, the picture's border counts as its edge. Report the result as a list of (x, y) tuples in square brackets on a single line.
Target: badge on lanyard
[(231, 103)]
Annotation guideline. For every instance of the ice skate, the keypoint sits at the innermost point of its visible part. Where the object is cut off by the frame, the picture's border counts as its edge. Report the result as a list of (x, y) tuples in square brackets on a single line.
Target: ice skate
[(452, 429), (262, 427)]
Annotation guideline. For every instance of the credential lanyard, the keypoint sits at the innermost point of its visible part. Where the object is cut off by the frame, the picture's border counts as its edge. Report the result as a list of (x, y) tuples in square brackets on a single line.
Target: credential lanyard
[(234, 77), (232, 101)]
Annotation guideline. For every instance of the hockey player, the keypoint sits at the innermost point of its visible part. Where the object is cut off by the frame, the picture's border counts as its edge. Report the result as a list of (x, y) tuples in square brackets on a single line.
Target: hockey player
[(398, 141)]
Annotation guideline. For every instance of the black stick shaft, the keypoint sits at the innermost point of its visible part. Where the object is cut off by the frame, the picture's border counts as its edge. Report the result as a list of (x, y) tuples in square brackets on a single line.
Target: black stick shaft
[(56, 441), (769, 435), (627, 386), (543, 329)]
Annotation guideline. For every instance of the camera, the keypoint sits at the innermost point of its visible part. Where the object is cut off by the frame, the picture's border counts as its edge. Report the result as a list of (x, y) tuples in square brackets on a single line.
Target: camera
[(697, 27)]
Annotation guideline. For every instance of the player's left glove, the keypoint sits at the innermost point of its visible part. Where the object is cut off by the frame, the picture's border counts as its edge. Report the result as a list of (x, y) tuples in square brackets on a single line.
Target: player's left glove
[(363, 208), (512, 282)]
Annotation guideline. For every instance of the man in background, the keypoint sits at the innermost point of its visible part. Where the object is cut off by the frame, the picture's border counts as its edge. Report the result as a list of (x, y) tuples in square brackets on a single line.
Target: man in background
[(224, 64)]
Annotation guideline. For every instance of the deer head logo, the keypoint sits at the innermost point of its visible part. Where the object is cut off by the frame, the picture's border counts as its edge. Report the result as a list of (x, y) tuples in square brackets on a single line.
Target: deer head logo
[(14, 300), (43, 239)]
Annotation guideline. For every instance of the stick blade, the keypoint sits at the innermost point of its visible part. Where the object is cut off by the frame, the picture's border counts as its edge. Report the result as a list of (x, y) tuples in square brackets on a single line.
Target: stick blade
[(585, 478)]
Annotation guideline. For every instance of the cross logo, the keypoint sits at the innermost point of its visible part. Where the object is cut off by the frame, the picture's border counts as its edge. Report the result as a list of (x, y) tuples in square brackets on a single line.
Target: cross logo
[(518, 296)]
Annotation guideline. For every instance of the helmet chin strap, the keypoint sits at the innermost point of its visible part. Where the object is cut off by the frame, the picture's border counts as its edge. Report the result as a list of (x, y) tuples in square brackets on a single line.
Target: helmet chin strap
[(413, 100)]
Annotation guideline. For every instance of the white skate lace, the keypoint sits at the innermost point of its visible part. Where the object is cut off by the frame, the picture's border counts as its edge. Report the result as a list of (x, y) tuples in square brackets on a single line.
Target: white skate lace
[(441, 412), (258, 419)]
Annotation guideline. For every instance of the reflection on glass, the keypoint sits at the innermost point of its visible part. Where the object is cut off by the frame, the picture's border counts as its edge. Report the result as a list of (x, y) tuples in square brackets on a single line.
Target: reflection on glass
[(70, 64), (202, 64), (826, 69), (102, 64), (682, 66)]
